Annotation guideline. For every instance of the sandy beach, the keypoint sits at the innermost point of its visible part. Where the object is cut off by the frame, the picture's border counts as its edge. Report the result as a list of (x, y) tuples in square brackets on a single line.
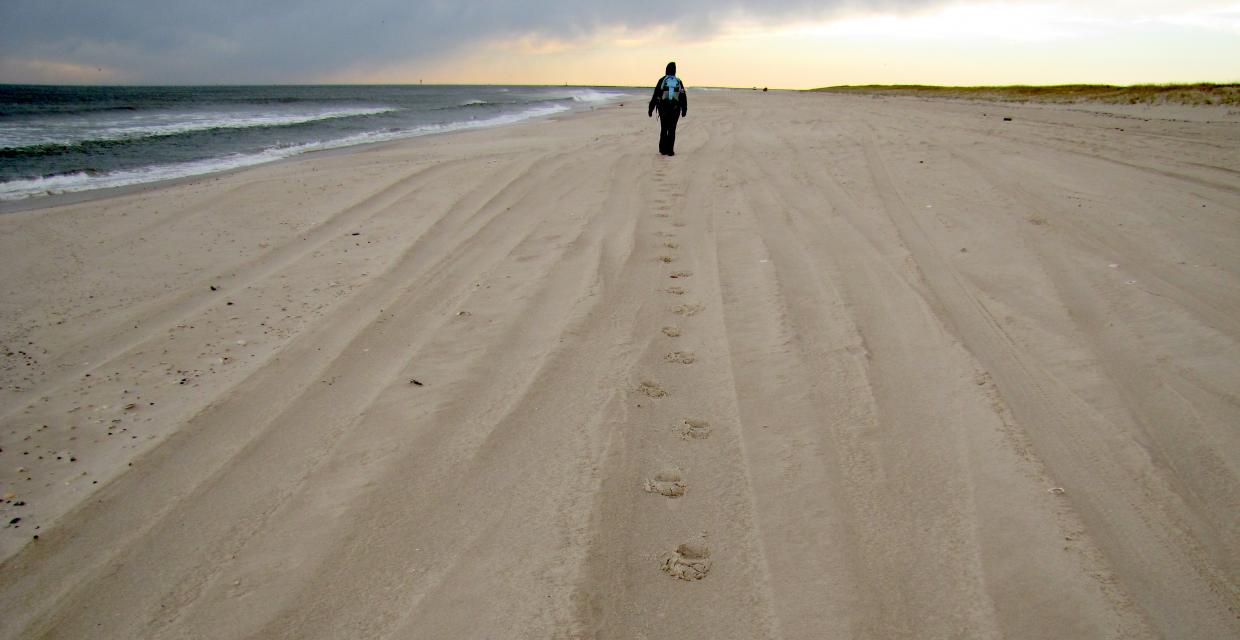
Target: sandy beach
[(847, 366)]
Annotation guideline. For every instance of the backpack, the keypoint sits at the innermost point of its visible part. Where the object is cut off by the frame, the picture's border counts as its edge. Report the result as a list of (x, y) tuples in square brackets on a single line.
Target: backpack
[(671, 88)]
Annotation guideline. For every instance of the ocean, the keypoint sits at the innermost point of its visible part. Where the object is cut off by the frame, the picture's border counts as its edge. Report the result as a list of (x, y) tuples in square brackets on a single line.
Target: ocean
[(57, 139)]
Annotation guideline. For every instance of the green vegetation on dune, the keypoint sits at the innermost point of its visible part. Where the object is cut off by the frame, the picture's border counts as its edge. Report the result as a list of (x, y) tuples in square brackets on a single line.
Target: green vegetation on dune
[(1191, 94)]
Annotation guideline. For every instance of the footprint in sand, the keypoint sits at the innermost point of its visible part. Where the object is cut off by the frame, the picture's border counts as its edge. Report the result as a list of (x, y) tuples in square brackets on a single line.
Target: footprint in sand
[(681, 274), (662, 215), (678, 224), (681, 357), (666, 483), (671, 332), (694, 429), (676, 291), (651, 389), (691, 309), (690, 561), (671, 245), (666, 259)]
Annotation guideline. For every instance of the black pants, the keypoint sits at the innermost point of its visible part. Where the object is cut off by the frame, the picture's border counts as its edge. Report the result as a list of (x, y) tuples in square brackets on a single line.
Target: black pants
[(668, 115)]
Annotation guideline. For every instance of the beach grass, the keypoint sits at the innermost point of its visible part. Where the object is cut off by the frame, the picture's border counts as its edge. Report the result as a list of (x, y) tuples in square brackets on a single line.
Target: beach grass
[(1185, 94)]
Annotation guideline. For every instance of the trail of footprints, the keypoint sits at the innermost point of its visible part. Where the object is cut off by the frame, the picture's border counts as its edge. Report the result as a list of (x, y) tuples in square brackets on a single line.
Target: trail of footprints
[(690, 561)]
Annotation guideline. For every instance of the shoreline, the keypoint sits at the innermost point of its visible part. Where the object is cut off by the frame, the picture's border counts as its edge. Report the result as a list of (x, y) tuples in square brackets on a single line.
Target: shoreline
[(36, 203), (64, 197)]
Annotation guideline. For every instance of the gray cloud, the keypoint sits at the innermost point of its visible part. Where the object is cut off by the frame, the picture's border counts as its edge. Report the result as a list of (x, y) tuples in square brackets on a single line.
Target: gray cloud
[(290, 41)]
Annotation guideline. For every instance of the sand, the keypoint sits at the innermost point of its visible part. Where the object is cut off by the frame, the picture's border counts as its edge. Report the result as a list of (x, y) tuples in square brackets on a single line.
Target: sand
[(845, 367)]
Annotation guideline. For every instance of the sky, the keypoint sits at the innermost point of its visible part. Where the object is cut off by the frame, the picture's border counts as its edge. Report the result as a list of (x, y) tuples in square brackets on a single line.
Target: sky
[(791, 44)]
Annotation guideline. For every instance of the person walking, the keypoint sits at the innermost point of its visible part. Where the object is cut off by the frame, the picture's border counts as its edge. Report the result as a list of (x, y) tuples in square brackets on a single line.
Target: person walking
[(670, 99)]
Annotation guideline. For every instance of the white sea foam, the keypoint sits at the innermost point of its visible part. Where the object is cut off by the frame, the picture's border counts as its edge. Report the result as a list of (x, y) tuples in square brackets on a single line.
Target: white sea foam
[(67, 131), (588, 96), (82, 181)]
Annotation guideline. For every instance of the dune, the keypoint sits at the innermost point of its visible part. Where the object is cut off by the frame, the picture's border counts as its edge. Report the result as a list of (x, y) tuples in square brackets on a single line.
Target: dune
[(846, 366)]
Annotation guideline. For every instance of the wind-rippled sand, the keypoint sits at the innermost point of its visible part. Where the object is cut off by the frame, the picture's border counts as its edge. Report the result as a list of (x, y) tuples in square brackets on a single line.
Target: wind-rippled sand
[(845, 367)]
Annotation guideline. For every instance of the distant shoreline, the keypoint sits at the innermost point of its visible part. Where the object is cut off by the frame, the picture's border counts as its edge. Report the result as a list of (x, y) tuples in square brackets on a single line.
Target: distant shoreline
[(1204, 94)]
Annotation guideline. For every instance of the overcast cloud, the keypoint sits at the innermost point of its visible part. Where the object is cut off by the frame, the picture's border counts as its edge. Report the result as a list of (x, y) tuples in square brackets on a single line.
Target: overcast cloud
[(291, 41), (266, 41)]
